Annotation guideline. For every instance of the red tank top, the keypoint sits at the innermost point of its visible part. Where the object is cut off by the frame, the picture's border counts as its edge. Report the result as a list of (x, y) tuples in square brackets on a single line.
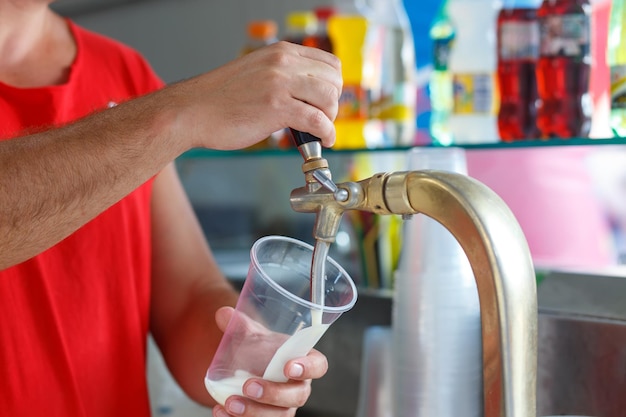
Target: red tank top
[(74, 319)]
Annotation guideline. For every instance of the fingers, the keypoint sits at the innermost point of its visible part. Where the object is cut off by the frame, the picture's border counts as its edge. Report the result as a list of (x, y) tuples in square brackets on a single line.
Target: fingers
[(317, 64), (223, 316), (320, 55), (312, 366), (266, 398), (305, 87), (307, 118), (291, 394), (243, 102), (319, 94), (318, 87), (236, 408)]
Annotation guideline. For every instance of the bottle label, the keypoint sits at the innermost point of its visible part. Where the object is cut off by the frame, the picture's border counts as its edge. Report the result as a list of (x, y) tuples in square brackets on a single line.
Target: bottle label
[(566, 35), (618, 87), (441, 53), (474, 93), (519, 40), (353, 103)]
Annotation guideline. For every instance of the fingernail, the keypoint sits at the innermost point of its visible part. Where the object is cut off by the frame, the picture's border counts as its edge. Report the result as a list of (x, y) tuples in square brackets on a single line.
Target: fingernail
[(236, 407), (296, 370), (219, 412), (254, 390)]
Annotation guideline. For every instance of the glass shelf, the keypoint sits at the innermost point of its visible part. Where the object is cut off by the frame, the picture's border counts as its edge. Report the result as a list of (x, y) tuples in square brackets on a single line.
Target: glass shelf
[(206, 153)]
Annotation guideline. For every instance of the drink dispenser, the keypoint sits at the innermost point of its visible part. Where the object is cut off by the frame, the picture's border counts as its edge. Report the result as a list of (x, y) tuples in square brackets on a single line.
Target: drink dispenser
[(489, 235)]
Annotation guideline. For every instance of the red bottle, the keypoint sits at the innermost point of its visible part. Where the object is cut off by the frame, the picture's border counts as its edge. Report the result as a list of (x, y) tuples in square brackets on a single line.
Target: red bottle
[(564, 106), (322, 39), (518, 50)]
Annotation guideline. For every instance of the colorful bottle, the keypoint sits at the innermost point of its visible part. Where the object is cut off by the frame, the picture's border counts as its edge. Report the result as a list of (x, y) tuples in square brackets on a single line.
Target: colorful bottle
[(394, 101), (440, 85), (616, 60), (565, 106), (473, 67), (300, 27), (421, 15), (260, 33), (518, 50), (348, 33), (321, 38)]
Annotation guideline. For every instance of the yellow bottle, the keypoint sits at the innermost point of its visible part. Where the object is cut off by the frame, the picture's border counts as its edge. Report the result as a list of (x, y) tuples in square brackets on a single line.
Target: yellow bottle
[(348, 33)]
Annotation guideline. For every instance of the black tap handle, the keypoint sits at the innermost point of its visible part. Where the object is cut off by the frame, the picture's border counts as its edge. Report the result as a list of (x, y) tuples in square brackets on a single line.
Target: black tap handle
[(300, 138)]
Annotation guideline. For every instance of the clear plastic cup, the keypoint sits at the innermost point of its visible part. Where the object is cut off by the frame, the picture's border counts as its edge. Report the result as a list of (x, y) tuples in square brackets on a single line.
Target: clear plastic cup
[(275, 320)]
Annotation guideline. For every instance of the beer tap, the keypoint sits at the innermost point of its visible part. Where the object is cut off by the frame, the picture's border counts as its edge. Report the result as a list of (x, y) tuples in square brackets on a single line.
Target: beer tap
[(491, 238), (319, 180)]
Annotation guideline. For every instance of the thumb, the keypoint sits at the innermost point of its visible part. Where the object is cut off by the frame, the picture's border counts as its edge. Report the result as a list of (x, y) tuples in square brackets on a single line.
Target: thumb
[(223, 316)]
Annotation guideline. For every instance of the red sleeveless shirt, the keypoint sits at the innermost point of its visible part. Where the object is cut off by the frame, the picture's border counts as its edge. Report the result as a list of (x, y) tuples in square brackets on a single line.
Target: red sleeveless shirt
[(74, 319)]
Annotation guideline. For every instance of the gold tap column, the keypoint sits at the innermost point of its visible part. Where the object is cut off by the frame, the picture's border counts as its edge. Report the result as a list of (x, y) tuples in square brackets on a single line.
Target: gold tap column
[(497, 251), (500, 259)]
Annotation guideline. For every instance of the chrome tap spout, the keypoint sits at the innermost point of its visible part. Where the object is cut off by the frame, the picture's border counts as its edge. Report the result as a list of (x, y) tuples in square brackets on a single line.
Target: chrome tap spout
[(497, 251)]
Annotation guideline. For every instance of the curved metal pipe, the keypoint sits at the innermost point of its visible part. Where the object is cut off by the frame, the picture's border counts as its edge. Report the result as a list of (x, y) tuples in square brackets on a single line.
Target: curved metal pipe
[(497, 251)]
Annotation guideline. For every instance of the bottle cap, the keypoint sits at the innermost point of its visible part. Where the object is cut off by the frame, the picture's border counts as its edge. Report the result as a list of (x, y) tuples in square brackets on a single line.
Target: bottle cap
[(324, 12), (305, 20), (262, 29)]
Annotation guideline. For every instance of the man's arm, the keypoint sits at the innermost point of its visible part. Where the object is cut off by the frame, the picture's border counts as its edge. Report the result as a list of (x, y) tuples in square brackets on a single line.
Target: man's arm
[(187, 287), (53, 182)]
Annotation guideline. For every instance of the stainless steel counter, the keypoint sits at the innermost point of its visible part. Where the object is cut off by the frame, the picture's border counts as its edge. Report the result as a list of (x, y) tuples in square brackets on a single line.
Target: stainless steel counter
[(582, 345)]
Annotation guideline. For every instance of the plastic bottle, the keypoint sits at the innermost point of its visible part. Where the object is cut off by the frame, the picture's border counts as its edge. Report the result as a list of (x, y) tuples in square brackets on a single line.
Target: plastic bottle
[(321, 38), (564, 106), (348, 33), (440, 85), (300, 27), (616, 60), (422, 14), (394, 103), (260, 33), (518, 50), (473, 66)]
